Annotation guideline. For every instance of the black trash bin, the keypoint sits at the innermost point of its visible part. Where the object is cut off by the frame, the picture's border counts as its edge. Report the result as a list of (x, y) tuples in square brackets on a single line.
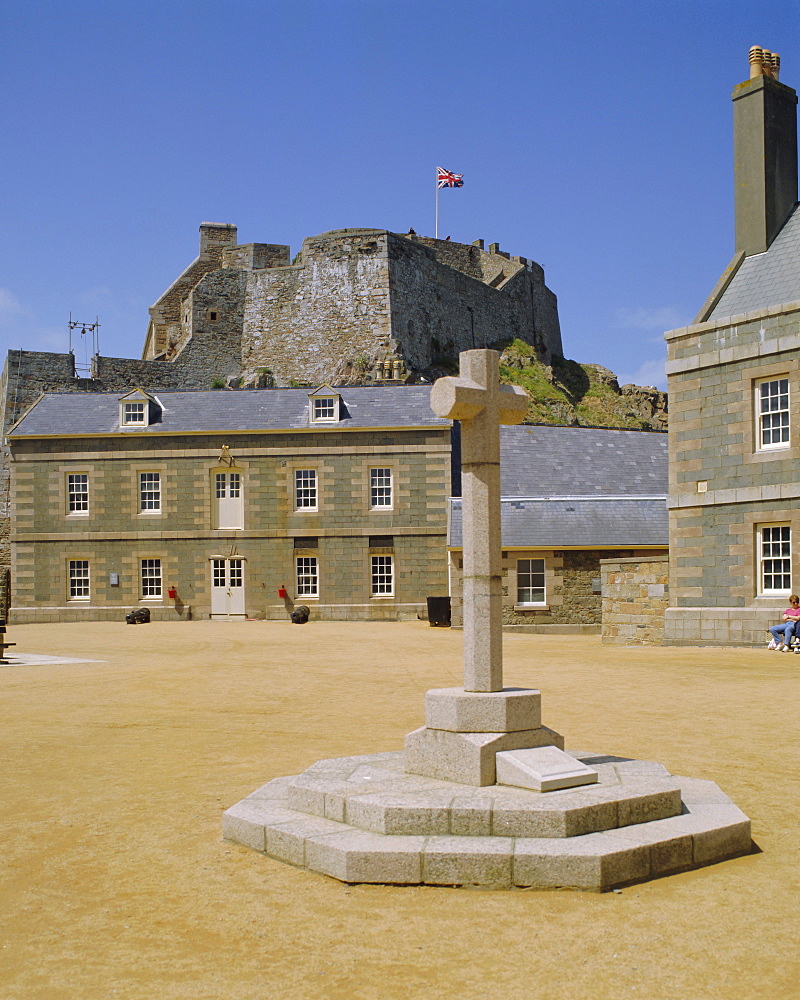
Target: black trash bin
[(439, 612)]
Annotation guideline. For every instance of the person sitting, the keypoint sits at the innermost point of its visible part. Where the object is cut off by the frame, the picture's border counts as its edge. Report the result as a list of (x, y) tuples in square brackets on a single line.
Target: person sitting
[(783, 634)]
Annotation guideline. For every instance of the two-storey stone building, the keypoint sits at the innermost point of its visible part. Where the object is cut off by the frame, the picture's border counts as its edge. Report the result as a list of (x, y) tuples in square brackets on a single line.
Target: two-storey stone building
[(234, 504), (734, 390)]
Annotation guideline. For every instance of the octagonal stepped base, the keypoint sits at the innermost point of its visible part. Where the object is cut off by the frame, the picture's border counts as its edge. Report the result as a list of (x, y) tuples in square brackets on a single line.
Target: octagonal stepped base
[(364, 819)]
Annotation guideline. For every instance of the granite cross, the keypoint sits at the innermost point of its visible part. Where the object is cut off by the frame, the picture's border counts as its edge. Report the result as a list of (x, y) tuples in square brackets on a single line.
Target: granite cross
[(481, 404)]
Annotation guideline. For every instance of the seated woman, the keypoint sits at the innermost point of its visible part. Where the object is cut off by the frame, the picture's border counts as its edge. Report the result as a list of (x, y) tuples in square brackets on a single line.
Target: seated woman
[(783, 634)]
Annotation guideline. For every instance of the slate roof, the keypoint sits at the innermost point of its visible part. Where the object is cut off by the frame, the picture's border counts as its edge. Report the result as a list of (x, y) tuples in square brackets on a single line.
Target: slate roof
[(581, 461), (765, 279), (589, 524), (79, 413), (578, 486)]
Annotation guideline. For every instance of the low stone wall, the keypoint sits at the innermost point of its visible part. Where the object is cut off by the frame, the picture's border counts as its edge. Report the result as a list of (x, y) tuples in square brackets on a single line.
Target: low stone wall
[(635, 598), (722, 626), (70, 613)]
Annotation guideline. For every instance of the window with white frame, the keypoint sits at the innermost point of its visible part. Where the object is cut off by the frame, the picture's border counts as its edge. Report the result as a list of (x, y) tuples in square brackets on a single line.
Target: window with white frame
[(79, 579), (323, 408), (530, 581), (149, 492), (236, 572), (775, 559), (382, 576), (77, 493), (151, 578), (772, 414), (228, 485), (305, 489), (307, 576), (380, 487), (134, 413)]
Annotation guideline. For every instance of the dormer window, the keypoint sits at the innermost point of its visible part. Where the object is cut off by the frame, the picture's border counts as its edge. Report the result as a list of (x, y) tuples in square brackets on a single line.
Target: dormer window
[(138, 409), (324, 405), (325, 408), (133, 413)]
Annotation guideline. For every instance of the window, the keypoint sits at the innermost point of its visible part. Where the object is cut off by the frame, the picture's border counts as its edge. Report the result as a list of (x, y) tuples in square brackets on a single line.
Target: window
[(78, 493), (307, 576), (323, 408), (139, 409), (775, 559), (228, 485), (772, 414), (149, 492), (530, 581), (228, 573), (380, 487), (305, 489), (382, 576), (235, 572), (151, 578), (133, 413), (79, 579)]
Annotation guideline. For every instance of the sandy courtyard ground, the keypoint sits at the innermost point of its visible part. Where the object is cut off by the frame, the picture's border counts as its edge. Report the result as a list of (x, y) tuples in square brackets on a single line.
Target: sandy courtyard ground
[(116, 882)]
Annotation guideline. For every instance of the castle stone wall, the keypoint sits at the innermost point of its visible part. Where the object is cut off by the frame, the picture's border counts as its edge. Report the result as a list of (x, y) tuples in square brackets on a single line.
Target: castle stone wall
[(252, 256), (211, 334), (303, 321), (165, 314), (367, 295), (430, 308)]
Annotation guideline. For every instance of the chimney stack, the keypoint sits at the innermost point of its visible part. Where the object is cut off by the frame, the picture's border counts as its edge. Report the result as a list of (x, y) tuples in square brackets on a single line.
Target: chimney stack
[(765, 153)]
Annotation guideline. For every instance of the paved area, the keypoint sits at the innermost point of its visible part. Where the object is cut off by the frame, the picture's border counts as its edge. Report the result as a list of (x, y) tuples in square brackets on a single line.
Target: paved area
[(115, 882)]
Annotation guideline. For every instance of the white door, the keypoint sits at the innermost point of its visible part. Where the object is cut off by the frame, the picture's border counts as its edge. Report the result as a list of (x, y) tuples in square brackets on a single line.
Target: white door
[(227, 588)]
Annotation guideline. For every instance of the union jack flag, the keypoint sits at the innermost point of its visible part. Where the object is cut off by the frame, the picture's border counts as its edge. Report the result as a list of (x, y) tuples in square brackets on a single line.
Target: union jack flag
[(447, 179)]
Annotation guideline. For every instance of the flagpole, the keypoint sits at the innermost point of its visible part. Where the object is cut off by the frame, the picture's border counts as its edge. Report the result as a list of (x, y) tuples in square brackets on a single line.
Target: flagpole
[(437, 204)]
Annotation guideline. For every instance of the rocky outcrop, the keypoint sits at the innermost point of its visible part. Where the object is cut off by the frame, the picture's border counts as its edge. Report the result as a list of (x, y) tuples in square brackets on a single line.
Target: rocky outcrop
[(572, 394)]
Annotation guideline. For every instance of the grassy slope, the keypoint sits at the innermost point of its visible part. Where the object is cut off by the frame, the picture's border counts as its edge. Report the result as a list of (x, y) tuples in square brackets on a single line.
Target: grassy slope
[(571, 393)]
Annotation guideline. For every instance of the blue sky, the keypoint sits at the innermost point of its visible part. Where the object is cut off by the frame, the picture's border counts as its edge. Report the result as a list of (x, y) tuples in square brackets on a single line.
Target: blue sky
[(594, 137)]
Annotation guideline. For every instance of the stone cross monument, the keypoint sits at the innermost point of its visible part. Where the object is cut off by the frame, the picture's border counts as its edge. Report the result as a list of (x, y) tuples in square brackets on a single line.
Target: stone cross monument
[(481, 403), (472, 734)]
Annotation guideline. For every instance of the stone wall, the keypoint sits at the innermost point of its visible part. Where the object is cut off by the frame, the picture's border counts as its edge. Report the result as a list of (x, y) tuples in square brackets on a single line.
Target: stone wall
[(572, 586), (165, 314), (438, 311), (26, 375), (723, 485), (303, 321), (211, 326), (635, 598), (359, 296)]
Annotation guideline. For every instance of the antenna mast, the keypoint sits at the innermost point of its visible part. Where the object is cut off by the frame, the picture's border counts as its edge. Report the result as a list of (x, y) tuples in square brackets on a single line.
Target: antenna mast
[(83, 328)]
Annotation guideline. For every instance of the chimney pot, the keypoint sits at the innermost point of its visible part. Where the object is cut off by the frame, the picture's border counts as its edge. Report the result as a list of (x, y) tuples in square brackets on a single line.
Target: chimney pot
[(756, 61)]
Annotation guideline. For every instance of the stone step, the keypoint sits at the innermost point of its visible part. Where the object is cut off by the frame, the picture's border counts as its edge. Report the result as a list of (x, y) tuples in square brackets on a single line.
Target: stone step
[(710, 828), (373, 793)]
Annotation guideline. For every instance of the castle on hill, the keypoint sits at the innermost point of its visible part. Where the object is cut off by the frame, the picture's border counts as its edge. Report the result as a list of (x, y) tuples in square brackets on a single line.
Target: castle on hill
[(353, 306)]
